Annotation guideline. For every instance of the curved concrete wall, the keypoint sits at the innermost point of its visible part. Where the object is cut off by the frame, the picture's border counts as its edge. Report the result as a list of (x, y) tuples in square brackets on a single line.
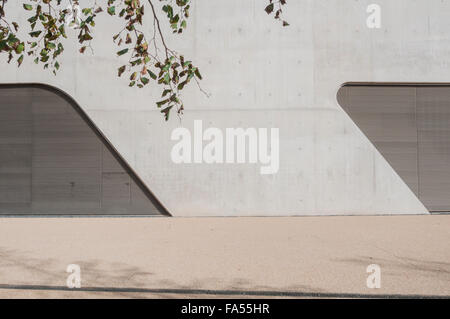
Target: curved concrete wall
[(262, 75)]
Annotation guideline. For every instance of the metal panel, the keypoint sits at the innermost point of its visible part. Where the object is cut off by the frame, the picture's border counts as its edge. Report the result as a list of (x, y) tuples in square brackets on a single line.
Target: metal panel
[(54, 161), (15, 106), (15, 178), (140, 203), (66, 159), (433, 107), (120, 193), (15, 152), (66, 191), (387, 115), (14, 188), (116, 194)]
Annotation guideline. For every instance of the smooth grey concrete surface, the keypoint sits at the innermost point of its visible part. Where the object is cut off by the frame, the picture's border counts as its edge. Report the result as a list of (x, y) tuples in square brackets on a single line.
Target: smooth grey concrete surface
[(260, 74), (225, 257)]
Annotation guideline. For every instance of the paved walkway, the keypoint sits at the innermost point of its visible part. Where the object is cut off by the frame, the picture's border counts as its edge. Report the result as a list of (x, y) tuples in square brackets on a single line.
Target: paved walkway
[(225, 257)]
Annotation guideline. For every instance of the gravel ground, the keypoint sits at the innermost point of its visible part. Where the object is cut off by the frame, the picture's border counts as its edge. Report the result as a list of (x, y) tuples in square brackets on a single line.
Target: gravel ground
[(301, 257)]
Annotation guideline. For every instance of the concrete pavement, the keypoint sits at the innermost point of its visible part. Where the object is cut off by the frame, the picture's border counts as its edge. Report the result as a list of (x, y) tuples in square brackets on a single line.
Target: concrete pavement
[(225, 257)]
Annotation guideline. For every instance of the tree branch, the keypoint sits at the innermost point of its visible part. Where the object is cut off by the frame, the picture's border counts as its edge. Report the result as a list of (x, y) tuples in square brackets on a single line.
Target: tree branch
[(159, 28)]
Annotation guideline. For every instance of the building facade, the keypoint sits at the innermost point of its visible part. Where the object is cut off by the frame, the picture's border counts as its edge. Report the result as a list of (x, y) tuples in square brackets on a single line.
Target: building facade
[(361, 111)]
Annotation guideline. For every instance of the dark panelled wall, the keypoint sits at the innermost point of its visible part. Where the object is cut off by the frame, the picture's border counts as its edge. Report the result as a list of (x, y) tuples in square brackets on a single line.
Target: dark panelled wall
[(53, 161), (410, 126), (433, 119)]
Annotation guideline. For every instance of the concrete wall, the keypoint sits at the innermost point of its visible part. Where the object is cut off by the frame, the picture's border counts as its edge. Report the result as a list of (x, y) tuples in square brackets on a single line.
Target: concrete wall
[(262, 75)]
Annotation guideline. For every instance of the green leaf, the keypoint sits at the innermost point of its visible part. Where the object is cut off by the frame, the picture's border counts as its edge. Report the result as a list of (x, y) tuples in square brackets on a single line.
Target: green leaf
[(152, 75), (86, 11), (166, 112), (20, 48), (269, 8), (181, 85), (161, 103), (63, 31), (112, 10), (20, 60), (122, 52), (35, 34), (197, 73), (32, 19), (28, 7), (166, 78), (121, 70)]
